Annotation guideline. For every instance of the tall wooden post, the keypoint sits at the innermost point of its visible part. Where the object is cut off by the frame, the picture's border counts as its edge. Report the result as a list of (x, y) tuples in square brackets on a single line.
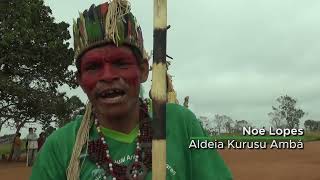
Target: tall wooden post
[(159, 90)]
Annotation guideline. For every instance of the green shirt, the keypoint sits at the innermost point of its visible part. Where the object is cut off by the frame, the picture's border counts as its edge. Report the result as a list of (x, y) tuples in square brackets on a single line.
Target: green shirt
[(182, 163)]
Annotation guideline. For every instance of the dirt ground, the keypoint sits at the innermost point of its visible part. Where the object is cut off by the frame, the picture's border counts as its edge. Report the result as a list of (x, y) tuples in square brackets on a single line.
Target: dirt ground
[(275, 164), (244, 164), (14, 171)]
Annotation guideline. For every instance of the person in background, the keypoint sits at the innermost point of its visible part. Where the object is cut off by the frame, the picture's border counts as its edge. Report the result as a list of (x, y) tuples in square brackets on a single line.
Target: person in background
[(41, 140), (17, 147), (32, 146)]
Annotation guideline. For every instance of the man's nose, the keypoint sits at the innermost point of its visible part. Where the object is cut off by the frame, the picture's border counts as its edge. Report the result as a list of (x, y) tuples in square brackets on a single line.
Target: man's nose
[(109, 73)]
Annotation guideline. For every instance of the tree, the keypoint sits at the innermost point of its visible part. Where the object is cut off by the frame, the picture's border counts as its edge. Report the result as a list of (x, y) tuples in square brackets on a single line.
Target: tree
[(34, 60), (239, 125), (287, 111), (276, 119), (228, 123), (223, 121), (68, 109), (219, 120), (207, 125), (312, 125)]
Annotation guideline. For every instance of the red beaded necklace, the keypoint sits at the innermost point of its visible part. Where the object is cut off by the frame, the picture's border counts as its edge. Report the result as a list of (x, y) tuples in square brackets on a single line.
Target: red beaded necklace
[(99, 153)]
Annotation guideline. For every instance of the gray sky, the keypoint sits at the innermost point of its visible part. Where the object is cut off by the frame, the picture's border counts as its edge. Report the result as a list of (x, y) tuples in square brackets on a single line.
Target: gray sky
[(234, 57)]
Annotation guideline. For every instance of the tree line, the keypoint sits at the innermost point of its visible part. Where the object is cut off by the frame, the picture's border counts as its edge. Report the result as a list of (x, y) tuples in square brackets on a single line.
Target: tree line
[(285, 115)]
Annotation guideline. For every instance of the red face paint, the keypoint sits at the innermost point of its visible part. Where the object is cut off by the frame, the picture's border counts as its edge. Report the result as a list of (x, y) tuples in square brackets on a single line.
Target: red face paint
[(109, 64)]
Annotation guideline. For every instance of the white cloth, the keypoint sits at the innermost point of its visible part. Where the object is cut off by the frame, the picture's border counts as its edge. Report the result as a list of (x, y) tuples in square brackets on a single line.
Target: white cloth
[(32, 141)]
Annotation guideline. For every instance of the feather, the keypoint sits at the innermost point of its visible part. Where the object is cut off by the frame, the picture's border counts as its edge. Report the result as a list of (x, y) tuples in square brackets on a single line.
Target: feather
[(116, 10), (83, 31), (76, 37), (102, 12), (120, 32), (93, 26)]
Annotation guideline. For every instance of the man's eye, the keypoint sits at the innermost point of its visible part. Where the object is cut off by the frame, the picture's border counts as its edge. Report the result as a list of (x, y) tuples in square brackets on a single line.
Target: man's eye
[(92, 67)]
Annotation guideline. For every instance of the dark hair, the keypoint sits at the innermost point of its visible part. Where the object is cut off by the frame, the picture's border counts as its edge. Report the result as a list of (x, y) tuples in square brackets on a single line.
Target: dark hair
[(18, 134), (30, 129)]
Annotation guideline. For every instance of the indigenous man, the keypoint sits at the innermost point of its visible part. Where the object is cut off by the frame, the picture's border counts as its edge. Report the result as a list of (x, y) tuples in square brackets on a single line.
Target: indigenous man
[(113, 138)]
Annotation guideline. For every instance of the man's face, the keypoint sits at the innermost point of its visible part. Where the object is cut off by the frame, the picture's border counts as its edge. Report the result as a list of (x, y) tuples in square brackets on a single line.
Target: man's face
[(111, 77)]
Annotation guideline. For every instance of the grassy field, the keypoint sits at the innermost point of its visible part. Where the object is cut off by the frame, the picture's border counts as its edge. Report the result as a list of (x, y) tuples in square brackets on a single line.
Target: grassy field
[(5, 148), (312, 136)]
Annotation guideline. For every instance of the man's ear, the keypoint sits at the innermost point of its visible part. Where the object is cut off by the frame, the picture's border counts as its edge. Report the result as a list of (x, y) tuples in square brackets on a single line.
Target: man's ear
[(144, 68)]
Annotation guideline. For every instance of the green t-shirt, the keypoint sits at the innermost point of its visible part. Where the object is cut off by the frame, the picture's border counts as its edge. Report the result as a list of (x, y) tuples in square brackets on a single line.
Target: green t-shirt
[(182, 163)]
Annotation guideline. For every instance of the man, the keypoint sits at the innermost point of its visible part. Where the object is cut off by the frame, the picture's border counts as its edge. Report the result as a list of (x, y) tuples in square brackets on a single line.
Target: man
[(17, 147), (112, 140), (31, 147), (41, 140)]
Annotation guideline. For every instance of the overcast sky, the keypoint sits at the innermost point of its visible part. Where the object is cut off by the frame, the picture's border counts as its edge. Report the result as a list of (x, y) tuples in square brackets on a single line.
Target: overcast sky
[(233, 57)]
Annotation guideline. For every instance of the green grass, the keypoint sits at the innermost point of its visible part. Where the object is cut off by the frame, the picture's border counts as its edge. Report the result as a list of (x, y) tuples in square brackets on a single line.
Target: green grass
[(312, 136), (6, 148)]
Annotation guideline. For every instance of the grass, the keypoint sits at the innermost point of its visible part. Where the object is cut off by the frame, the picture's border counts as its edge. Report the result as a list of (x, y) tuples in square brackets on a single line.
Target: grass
[(6, 148), (312, 136)]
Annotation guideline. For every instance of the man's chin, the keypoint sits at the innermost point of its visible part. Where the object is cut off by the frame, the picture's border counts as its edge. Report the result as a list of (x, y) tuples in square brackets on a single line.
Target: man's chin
[(113, 110)]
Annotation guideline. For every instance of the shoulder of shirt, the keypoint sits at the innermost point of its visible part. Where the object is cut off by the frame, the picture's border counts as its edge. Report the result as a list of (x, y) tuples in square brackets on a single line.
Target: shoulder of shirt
[(176, 109), (180, 114)]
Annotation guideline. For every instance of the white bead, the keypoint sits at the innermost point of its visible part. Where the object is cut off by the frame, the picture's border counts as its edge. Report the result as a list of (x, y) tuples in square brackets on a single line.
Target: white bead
[(104, 142), (107, 151), (98, 166), (110, 164), (102, 138), (104, 177), (136, 160), (111, 169), (138, 144), (114, 178), (134, 175)]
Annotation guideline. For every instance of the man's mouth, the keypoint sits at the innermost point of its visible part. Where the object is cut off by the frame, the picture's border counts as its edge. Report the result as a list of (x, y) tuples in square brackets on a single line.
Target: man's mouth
[(111, 95)]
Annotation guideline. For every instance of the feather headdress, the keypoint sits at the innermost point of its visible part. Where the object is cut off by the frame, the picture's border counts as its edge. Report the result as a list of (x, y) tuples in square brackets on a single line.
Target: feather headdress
[(106, 23)]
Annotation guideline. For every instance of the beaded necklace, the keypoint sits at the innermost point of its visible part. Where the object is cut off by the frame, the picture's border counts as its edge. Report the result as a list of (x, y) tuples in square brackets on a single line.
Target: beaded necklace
[(99, 152)]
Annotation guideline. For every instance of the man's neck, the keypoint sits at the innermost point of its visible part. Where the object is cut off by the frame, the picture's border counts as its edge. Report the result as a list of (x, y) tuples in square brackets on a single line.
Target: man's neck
[(124, 124)]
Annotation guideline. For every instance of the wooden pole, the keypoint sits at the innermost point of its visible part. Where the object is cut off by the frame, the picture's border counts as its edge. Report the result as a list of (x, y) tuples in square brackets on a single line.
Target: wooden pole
[(159, 90)]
